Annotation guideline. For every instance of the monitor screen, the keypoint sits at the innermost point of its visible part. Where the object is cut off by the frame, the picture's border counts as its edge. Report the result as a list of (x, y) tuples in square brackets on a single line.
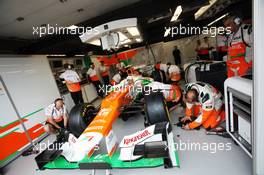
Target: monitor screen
[(57, 64)]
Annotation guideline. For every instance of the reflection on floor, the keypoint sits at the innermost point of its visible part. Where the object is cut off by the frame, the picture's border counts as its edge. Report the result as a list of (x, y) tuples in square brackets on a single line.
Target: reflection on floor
[(193, 162)]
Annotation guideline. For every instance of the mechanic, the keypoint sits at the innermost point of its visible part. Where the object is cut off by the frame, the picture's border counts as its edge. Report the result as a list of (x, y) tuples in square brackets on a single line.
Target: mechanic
[(120, 65), (204, 49), (204, 106), (240, 43), (92, 77), (57, 117), (104, 73), (163, 68), (72, 80), (222, 47), (116, 78), (174, 73)]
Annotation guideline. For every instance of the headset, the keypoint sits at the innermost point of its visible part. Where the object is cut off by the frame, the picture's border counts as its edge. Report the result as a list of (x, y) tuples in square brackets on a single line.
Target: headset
[(237, 20)]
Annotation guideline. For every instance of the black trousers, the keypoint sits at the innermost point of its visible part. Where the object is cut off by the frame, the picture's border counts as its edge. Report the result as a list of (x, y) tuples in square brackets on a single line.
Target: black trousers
[(77, 97), (177, 60), (106, 80), (98, 86)]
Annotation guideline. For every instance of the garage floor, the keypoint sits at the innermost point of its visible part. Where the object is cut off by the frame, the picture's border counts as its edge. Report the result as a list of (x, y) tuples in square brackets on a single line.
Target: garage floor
[(234, 162)]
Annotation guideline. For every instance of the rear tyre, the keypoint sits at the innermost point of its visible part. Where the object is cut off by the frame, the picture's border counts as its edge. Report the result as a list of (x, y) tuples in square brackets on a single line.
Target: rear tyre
[(80, 117)]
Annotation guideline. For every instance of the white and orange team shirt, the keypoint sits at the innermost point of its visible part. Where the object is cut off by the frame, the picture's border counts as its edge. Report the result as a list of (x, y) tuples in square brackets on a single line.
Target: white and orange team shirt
[(54, 113), (116, 79), (174, 69), (70, 75), (164, 68), (209, 99), (92, 74), (244, 31), (72, 80), (103, 70)]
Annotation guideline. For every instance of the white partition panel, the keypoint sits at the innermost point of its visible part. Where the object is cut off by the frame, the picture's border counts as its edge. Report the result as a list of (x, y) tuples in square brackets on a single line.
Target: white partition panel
[(31, 86)]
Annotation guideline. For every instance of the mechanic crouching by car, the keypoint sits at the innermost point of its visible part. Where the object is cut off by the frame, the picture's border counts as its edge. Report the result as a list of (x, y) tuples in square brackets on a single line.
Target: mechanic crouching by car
[(57, 117), (204, 106)]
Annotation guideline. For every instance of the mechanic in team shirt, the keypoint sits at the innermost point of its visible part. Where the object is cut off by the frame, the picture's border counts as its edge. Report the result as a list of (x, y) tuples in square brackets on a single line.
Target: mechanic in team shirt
[(72, 81), (204, 106), (57, 117), (173, 73), (240, 46), (116, 78), (163, 68), (120, 65), (104, 73), (93, 77)]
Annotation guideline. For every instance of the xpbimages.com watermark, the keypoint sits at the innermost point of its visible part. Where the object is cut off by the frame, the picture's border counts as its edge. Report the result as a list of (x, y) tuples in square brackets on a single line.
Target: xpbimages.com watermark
[(212, 147), (135, 89), (59, 30), (195, 30)]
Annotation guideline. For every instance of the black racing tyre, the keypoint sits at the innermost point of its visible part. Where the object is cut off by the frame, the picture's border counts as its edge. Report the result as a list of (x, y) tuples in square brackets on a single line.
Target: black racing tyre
[(80, 117), (155, 109)]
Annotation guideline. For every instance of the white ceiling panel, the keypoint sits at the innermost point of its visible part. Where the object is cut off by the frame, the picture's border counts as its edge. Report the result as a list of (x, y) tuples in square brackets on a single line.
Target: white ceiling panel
[(38, 12)]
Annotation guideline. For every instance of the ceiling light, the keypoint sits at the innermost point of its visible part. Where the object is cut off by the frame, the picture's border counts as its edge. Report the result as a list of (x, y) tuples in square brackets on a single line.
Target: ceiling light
[(138, 40), (218, 19), (177, 13), (56, 55), (72, 27), (133, 31), (122, 37), (167, 32), (203, 9), (96, 42)]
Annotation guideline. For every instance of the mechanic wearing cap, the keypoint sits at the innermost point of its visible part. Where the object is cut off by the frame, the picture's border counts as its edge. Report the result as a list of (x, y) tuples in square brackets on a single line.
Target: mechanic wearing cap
[(57, 117), (204, 106), (174, 73), (104, 73), (240, 43), (72, 81), (92, 76)]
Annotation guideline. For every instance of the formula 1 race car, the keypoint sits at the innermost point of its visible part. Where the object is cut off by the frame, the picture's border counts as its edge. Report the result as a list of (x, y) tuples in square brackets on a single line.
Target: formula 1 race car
[(92, 144)]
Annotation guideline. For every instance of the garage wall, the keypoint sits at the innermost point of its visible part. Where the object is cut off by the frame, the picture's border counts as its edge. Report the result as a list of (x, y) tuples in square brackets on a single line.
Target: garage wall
[(163, 51), (32, 87)]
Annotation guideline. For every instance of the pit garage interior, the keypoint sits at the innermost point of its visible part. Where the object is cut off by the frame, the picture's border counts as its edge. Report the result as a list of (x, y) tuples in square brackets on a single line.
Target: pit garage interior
[(122, 132)]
